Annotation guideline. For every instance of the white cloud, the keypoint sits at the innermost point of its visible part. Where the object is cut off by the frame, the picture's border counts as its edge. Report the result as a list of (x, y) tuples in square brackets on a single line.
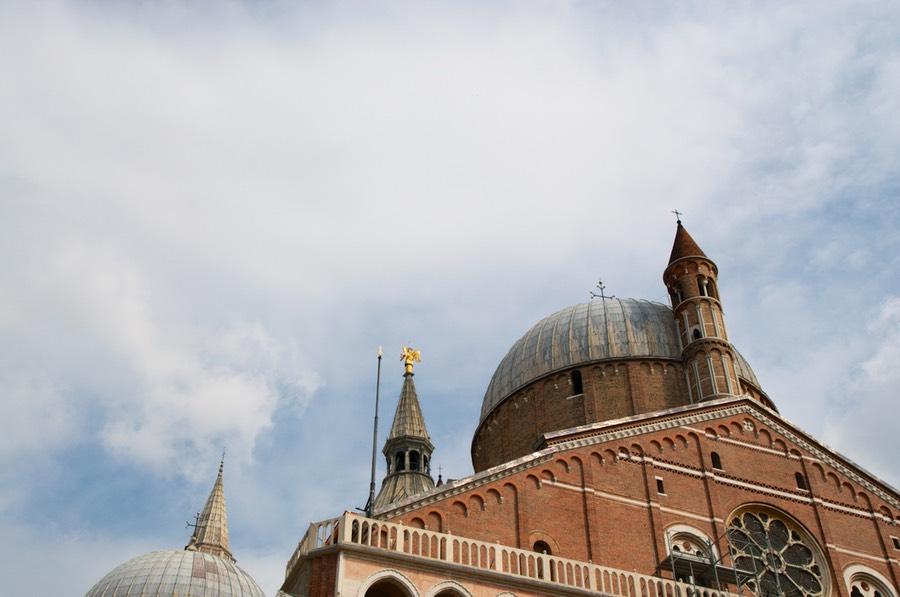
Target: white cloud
[(202, 204), (868, 408)]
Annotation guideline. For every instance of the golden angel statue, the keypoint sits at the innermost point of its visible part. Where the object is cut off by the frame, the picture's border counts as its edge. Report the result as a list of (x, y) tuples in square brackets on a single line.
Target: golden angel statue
[(409, 357)]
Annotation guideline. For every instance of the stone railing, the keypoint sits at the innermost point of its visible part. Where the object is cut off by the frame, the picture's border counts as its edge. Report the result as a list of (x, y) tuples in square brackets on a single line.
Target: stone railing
[(445, 547)]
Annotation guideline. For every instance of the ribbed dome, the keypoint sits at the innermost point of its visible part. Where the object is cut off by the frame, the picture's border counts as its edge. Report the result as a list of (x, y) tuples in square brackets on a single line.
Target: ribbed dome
[(610, 329), (178, 573)]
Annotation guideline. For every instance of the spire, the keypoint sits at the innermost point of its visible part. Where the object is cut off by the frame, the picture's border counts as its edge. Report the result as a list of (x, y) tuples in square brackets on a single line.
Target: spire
[(211, 531), (408, 448), (684, 246), (408, 419)]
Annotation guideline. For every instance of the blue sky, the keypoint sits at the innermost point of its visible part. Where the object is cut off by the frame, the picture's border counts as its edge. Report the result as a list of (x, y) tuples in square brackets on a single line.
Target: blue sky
[(213, 213)]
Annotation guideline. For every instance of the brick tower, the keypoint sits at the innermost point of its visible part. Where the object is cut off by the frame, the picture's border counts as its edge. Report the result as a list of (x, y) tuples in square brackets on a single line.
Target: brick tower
[(692, 280)]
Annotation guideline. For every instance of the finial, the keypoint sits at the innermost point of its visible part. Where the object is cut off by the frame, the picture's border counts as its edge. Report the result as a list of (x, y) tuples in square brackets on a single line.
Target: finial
[(602, 294), (678, 215), (222, 462), (379, 351), (410, 356)]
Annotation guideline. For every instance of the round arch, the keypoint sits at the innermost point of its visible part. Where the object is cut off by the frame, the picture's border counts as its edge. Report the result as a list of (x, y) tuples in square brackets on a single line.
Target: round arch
[(448, 588), (687, 539), (785, 554), (387, 583), (862, 581)]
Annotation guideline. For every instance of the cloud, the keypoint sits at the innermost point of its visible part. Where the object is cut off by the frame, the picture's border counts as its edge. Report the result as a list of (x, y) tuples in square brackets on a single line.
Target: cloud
[(871, 396), (212, 213), (158, 386)]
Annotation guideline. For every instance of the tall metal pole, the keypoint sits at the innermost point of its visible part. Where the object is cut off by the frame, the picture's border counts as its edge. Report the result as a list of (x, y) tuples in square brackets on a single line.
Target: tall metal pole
[(370, 504)]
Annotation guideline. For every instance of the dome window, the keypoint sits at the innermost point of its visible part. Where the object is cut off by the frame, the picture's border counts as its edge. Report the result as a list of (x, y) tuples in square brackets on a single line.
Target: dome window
[(399, 462), (414, 461), (577, 384)]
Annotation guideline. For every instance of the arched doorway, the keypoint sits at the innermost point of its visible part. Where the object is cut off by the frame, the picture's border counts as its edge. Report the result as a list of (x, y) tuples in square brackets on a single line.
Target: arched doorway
[(386, 588)]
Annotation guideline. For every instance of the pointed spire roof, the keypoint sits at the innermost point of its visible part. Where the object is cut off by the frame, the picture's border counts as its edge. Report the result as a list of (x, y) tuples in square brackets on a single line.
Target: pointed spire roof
[(408, 448), (684, 246), (408, 419), (211, 532)]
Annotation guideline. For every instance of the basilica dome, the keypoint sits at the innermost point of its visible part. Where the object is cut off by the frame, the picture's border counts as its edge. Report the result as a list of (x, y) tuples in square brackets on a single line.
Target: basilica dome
[(176, 572), (600, 330)]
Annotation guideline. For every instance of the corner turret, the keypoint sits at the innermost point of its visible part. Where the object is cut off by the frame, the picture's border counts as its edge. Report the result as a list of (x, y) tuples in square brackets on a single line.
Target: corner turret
[(708, 356)]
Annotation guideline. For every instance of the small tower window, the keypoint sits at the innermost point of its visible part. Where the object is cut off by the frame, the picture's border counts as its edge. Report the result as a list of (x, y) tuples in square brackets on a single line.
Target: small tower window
[(896, 542), (414, 461), (660, 488), (399, 462), (697, 334), (801, 481), (716, 460), (577, 385), (701, 283), (426, 463)]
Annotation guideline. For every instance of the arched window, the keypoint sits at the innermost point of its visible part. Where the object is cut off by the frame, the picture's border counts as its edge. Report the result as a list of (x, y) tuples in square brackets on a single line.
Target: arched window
[(716, 460), (865, 582), (414, 461), (542, 547), (697, 334), (399, 462), (701, 283), (801, 481), (577, 385)]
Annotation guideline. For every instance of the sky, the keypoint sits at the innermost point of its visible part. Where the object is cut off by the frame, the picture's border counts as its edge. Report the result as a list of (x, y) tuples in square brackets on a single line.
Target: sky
[(213, 213)]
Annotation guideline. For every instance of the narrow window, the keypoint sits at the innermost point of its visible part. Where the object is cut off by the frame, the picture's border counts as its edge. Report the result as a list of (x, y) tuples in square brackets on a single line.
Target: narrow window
[(896, 542), (414, 461), (716, 460), (801, 481), (399, 462), (577, 386), (660, 488), (426, 463), (701, 282)]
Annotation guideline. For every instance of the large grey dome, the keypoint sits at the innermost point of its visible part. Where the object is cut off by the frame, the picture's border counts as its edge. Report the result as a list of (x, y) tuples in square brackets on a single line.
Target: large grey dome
[(178, 573), (609, 329)]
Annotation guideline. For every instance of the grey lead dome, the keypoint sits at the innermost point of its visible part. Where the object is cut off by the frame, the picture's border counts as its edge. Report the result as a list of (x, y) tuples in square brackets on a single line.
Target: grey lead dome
[(601, 330), (178, 573)]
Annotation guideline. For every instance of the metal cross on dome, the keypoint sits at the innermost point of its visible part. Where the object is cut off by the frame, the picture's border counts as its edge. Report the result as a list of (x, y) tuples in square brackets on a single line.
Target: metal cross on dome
[(602, 294)]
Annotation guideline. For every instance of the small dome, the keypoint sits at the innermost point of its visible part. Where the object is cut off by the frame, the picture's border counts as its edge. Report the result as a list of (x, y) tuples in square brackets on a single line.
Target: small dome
[(610, 329), (178, 573)]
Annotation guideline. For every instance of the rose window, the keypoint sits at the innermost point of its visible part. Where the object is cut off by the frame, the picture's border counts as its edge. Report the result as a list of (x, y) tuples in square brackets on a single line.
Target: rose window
[(777, 557)]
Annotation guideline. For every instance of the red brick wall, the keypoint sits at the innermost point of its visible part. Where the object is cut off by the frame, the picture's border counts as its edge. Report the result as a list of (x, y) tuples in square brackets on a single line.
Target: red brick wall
[(601, 502), (611, 391)]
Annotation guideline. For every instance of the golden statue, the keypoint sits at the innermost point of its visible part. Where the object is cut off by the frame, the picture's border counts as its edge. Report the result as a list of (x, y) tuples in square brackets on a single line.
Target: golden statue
[(409, 357)]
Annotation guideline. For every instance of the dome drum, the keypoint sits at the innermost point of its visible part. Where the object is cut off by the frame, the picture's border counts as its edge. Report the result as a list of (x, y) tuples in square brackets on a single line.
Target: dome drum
[(599, 361)]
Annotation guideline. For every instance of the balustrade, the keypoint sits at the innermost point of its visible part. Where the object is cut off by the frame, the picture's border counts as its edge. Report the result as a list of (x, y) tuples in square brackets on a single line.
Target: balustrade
[(357, 530)]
